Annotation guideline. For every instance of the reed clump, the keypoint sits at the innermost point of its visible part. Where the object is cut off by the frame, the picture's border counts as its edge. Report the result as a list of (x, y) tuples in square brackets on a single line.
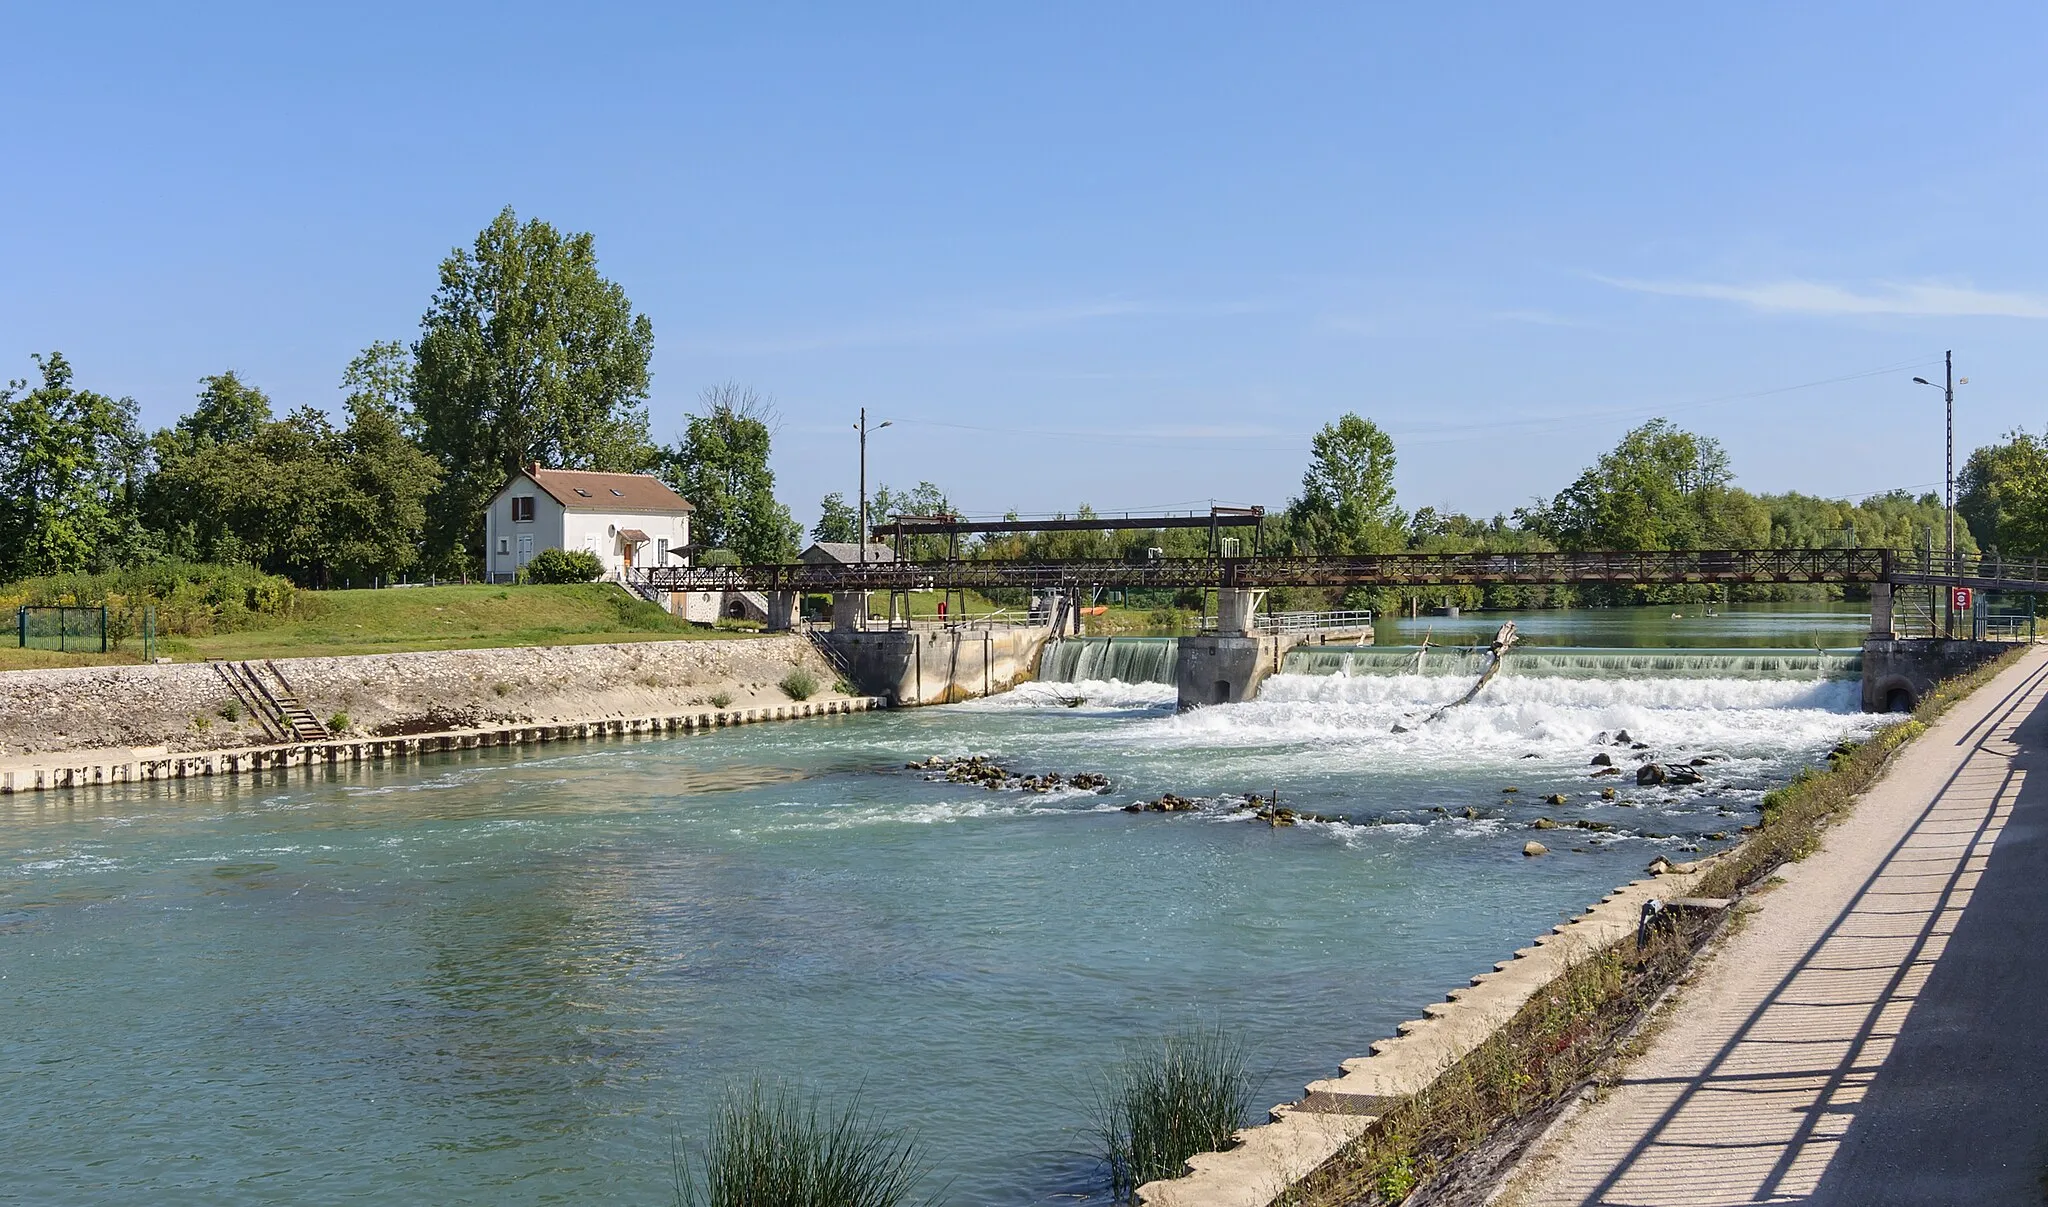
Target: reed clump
[(1164, 1102), (799, 684), (782, 1146)]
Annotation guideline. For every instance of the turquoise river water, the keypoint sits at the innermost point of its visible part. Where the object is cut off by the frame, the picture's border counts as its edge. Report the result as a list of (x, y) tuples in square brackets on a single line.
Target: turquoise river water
[(521, 978)]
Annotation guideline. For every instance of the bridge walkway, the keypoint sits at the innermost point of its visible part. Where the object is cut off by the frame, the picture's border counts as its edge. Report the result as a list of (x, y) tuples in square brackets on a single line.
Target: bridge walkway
[(1871, 1034)]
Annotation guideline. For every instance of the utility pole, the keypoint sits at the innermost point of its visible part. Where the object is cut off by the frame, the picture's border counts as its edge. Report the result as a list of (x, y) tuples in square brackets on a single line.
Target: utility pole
[(861, 537), (1948, 394)]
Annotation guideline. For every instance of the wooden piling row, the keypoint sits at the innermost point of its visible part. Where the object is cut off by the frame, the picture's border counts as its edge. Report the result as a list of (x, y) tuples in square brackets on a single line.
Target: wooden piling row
[(86, 768)]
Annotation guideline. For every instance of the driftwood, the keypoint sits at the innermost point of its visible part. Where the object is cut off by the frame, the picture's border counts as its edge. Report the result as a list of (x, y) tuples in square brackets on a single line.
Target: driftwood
[(1502, 641)]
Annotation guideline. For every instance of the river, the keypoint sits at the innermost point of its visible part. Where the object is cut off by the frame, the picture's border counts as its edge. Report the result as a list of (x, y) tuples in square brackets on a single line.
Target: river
[(504, 978)]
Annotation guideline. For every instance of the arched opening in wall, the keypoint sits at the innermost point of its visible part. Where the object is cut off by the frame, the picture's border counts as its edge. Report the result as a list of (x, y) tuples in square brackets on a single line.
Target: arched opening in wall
[(736, 610), (1223, 691), (1899, 699)]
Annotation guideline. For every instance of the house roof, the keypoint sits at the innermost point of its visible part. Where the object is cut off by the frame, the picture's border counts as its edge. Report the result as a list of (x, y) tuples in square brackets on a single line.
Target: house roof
[(583, 490), (846, 552)]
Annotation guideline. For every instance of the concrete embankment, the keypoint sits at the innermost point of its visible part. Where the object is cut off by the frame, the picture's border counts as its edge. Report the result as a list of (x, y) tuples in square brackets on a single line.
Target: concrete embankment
[(1306, 1133), (191, 707)]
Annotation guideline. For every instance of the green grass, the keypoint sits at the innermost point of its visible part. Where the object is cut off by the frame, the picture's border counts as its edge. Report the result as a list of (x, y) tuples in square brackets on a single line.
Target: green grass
[(415, 618), (445, 618), (782, 1147), (1164, 1102)]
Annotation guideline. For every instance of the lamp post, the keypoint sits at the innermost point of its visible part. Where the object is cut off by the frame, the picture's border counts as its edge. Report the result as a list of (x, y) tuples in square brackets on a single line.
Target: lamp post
[(861, 537), (1948, 392)]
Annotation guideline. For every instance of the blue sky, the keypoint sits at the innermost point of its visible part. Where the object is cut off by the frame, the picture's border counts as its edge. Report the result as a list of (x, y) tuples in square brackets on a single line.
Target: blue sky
[(1125, 254)]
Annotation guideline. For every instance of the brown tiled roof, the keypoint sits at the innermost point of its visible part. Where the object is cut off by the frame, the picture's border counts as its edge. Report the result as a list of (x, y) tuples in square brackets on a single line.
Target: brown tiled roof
[(582, 490)]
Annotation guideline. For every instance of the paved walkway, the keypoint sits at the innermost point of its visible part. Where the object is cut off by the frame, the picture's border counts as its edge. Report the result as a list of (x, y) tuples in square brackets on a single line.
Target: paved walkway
[(1877, 1032)]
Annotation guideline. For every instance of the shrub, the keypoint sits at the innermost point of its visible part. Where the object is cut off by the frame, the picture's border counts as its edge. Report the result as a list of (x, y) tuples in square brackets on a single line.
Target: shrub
[(1163, 1103), (721, 700), (192, 599), (563, 566), (338, 723), (778, 1148), (799, 684), (231, 711)]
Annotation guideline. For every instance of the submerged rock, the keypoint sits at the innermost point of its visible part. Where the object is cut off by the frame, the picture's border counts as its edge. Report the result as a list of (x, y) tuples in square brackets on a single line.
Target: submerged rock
[(1606, 794), (1555, 798), (1533, 848), (1543, 823), (1606, 771), (1681, 775)]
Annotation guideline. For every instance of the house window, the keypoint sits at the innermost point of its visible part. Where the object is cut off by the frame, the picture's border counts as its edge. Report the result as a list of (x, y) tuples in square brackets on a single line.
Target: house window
[(522, 509), (618, 492), (661, 552), (583, 492)]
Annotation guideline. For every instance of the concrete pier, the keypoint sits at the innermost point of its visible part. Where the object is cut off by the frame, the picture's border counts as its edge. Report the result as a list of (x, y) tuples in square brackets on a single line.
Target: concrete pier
[(938, 666)]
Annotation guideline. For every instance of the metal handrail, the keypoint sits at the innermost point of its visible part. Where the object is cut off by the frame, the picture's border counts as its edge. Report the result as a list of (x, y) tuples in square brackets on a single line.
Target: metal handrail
[(1299, 622)]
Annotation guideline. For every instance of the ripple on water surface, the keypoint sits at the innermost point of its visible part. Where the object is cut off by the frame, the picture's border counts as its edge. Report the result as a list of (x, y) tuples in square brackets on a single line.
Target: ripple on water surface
[(493, 979)]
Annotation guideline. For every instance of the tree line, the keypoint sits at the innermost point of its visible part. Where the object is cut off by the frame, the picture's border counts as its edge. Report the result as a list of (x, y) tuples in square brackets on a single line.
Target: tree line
[(526, 353)]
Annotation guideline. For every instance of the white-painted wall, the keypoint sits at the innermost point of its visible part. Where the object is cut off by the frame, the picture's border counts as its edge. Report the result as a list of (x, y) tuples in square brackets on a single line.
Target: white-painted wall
[(508, 545)]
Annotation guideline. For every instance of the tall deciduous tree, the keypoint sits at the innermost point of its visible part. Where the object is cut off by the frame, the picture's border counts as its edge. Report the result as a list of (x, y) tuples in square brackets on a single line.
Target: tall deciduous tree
[(721, 466), (69, 463), (1347, 495), (380, 376), (837, 519), (527, 353), (2003, 495), (1661, 487)]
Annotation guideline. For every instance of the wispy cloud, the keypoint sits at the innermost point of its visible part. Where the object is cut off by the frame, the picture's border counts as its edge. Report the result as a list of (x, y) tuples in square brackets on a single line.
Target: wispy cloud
[(965, 324), (1818, 297)]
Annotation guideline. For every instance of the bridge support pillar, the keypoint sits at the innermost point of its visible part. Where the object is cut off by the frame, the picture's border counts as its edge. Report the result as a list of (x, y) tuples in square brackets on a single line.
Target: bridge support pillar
[(1226, 670), (783, 608), (849, 611), (1881, 625), (1234, 609)]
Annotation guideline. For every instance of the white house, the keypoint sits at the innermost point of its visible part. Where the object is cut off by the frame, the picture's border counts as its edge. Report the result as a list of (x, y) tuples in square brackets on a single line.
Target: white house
[(627, 520)]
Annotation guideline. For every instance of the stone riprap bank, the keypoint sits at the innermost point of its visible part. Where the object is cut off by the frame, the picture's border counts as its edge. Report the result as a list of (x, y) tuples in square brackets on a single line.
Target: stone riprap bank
[(187, 706)]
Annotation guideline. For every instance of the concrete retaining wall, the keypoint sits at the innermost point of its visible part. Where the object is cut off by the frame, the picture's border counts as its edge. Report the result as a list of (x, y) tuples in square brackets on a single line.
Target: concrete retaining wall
[(940, 666), (1898, 673), (145, 764), (1333, 1112), (186, 706)]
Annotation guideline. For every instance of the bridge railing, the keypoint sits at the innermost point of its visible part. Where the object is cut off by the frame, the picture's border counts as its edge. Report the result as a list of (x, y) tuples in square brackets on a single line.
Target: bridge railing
[(1299, 622), (1988, 571)]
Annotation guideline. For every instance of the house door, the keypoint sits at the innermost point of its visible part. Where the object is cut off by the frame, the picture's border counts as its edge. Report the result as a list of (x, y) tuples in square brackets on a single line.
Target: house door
[(525, 553)]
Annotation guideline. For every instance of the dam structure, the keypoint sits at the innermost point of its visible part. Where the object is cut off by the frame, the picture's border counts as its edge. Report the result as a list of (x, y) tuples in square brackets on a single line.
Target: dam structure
[(1227, 664)]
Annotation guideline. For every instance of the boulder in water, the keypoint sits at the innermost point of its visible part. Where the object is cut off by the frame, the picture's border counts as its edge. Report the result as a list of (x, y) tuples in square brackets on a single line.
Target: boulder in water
[(1606, 794), (1681, 775), (1650, 773), (1532, 848), (1606, 771), (1603, 759), (1622, 738), (1555, 798), (1510, 789), (1543, 823)]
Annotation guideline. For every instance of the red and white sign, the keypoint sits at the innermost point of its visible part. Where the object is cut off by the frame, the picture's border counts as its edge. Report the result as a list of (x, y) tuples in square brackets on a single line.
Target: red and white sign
[(1959, 598)]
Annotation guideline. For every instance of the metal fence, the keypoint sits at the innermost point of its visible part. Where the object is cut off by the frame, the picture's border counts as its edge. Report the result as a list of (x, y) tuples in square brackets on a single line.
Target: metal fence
[(85, 630)]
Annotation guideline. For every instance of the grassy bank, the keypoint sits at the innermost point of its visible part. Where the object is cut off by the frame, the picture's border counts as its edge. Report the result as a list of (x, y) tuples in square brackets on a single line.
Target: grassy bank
[(416, 618), (1469, 1124)]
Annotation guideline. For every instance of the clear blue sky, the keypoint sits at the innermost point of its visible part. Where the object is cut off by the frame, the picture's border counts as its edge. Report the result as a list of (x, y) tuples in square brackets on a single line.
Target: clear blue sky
[(1124, 254)]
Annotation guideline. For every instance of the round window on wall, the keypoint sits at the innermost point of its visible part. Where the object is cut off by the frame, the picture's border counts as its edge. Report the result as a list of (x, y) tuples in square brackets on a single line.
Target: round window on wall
[(612, 531)]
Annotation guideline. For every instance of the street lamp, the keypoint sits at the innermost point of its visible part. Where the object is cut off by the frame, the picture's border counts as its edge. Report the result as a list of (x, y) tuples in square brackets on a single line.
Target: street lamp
[(1948, 392), (861, 537)]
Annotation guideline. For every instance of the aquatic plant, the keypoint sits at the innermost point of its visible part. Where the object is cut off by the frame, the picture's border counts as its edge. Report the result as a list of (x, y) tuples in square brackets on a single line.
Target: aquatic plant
[(781, 1146), (799, 684), (1165, 1101)]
